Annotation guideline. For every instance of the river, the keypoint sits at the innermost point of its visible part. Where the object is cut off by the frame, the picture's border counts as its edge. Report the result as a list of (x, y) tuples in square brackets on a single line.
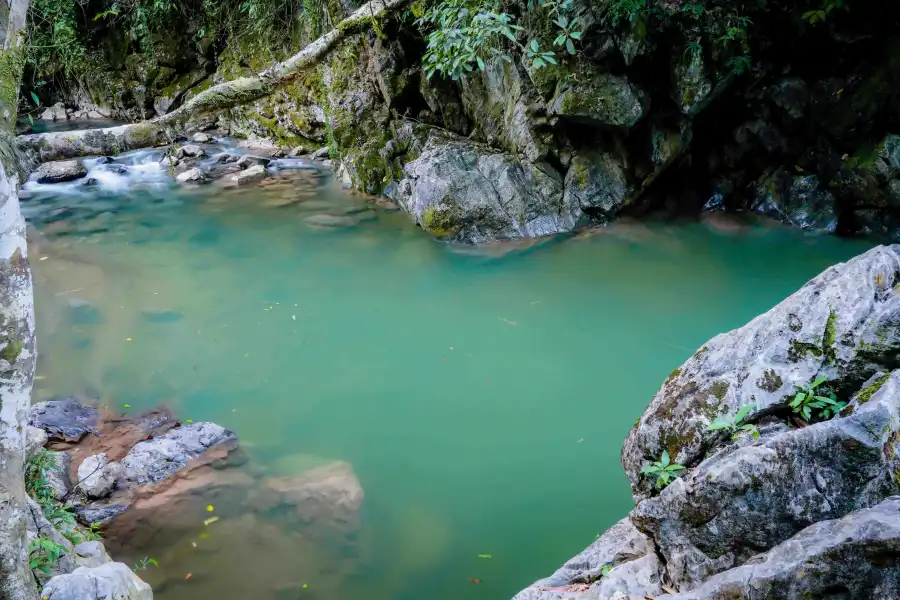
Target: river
[(481, 396)]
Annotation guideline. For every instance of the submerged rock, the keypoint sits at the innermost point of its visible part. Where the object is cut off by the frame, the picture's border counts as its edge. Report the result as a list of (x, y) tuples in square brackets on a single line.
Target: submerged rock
[(60, 171), (253, 173), (109, 581)]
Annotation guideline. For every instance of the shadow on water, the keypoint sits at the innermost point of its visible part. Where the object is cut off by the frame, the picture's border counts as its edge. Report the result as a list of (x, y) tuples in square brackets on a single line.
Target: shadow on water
[(480, 395)]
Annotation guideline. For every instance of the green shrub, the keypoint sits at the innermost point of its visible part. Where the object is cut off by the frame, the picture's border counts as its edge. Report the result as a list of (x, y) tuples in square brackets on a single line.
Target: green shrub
[(664, 470)]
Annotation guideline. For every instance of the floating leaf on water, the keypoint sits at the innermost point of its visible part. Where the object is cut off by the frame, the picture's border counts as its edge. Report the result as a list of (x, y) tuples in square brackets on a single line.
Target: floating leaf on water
[(474, 581), (210, 508), (127, 405), (44, 258), (305, 585), (189, 421), (128, 339), (210, 521), (188, 576), (194, 544), (485, 556), (204, 536), (293, 317)]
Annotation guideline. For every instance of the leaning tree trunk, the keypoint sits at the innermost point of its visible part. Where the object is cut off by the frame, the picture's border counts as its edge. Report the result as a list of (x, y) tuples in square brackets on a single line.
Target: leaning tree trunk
[(162, 129), (17, 350)]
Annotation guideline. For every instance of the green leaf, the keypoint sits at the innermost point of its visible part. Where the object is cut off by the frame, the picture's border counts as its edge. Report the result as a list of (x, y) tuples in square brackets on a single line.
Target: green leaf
[(534, 45), (798, 399), (742, 413), (675, 467), (570, 46), (575, 35), (817, 382), (153, 562), (34, 97), (718, 424), (480, 62), (664, 460), (549, 58), (538, 63)]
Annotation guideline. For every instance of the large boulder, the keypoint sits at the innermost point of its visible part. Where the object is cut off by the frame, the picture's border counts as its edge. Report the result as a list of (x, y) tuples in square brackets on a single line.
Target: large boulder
[(66, 419), (600, 99), (97, 475), (852, 557), (60, 171), (109, 581), (841, 326), (597, 184), (797, 200), (465, 192), (157, 459)]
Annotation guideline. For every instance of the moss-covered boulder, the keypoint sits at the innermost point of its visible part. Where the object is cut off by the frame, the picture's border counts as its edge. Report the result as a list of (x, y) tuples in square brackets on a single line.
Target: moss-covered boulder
[(596, 184), (797, 200), (599, 98)]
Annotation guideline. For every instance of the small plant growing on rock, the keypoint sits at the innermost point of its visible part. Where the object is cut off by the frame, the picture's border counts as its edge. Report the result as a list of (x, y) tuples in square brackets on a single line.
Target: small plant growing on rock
[(141, 565), (43, 554), (809, 399), (735, 425), (664, 470)]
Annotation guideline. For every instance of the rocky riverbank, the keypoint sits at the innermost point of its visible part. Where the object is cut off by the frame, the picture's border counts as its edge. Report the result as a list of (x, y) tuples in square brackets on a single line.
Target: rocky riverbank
[(102, 481), (737, 489)]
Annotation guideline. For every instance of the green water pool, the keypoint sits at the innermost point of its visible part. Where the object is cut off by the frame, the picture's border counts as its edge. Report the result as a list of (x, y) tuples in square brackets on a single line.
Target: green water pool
[(481, 396)]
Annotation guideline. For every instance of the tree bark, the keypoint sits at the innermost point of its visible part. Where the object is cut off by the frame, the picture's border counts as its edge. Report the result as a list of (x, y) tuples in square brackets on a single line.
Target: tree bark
[(17, 348), (160, 130)]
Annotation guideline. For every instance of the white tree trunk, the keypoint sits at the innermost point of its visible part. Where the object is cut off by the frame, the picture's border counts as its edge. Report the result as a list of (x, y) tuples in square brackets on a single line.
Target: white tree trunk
[(70, 144), (17, 349)]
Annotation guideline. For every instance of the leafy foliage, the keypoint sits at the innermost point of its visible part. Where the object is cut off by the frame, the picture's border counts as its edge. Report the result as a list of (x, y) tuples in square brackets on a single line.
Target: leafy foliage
[(810, 398), (664, 470), (43, 554), (142, 564), (818, 15), (735, 425), (464, 34), (59, 515)]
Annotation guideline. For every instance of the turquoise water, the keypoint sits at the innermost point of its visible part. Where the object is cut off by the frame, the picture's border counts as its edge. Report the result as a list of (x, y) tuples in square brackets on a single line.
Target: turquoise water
[(481, 396)]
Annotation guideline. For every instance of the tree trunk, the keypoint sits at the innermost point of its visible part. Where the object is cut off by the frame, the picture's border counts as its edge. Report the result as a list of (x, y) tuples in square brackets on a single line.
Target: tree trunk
[(71, 144), (17, 349)]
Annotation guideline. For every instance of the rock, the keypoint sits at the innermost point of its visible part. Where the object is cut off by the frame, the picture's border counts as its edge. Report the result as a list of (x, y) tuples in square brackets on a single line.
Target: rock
[(249, 161), (194, 175), (254, 173), (60, 171), (35, 439), (201, 138), (98, 513), (299, 151), (797, 200), (117, 169), (190, 151), (159, 458), (839, 558), (600, 98), (110, 581), (693, 89), (596, 184), (325, 498), (839, 326), (465, 192), (320, 153), (324, 221), (66, 419), (443, 100), (97, 476), (57, 112), (58, 477), (37, 525), (264, 147), (91, 554), (619, 547)]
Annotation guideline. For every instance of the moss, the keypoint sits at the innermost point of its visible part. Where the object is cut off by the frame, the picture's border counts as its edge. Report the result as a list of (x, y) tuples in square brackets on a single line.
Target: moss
[(799, 349), (719, 389), (11, 63), (830, 336), (866, 393), (439, 222), (770, 381), (12, 350)]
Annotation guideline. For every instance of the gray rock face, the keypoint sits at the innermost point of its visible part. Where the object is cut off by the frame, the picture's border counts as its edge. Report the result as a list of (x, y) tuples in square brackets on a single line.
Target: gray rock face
[(597, 184), (60, 171), (58, 478), (35, 439), (320, 154), (57, 112), (190, 151), (98, 513), (97, 476), (91, 554), (465, 192), (159, 458), (744, 500), (201, 138), (800, 201), (602, 99), (842, 326), (194, 175), (110, 581), (692, 87), (852, 557), (67, 419), (249, 161), (624, 549)]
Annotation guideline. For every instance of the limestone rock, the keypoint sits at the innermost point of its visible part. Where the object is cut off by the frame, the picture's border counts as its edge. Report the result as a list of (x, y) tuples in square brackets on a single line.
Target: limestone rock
[(797, 200), (57, 112), (109, 581), (102, 513), (35, 439), (159, 458), (60, 171), (692, 88), (465, 192), (597, 184), (600, 98), (97, 476), (58, 477), (249, 161), (320, 153), (849, 557), (621, 548), (262, 146), (66, 419), (253, 173), (91, 554), (841, 326), (190, 151), (194, 175), (201, 138)]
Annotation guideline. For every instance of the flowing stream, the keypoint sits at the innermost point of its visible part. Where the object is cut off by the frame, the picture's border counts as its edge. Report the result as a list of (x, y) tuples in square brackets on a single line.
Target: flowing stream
[(481, 395)]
